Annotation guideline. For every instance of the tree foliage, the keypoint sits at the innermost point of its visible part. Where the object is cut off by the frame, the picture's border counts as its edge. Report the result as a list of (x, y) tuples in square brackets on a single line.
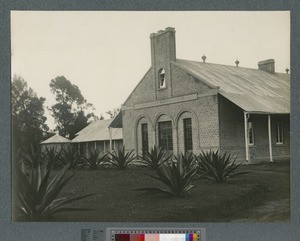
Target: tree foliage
[(71, 110), (113, 113), (28, 118)]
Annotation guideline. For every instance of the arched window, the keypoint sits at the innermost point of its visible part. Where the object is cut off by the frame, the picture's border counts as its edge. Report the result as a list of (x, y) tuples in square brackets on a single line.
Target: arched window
[(162, 78)]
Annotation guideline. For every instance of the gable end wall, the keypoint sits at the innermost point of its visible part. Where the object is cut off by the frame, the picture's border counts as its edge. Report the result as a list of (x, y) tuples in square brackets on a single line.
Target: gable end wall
[(184, 83)]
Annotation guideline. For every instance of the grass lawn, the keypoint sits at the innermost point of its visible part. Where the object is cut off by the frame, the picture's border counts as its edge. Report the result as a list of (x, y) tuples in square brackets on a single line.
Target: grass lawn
[(240, 199)]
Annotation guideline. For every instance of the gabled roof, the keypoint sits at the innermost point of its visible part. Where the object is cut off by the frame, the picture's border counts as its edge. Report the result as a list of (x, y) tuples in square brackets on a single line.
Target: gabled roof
[(253, 90), (56, 139), (98, 131), (117, 121)]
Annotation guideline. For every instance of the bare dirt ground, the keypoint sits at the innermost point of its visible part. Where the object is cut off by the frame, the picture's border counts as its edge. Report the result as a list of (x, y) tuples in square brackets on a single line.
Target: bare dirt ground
[(276, 208), (271, 211)]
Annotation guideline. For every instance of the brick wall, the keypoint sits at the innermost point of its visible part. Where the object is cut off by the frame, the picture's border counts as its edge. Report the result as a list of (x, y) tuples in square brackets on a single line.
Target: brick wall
[(203, 110), (144, 91), (183, 83), (232, 136), (163, 50), (205, 123)]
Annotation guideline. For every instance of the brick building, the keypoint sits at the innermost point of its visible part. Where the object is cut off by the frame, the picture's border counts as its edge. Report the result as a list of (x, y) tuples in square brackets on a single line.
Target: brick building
[(184, 105)]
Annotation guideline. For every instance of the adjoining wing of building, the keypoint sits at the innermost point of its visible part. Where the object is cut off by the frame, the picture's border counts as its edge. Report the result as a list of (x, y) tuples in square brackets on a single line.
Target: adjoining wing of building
[(103, 135), (56, 141), (189, 106)]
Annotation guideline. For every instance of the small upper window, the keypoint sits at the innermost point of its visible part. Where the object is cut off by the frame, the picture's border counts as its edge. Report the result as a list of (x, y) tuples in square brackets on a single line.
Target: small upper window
[(162, 78), (279, 133)]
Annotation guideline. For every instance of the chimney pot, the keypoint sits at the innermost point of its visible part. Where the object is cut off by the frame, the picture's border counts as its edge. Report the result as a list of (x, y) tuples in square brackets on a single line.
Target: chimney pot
[(237, 63), (267, 65), (287, 70), (170, 29), (203, 58)]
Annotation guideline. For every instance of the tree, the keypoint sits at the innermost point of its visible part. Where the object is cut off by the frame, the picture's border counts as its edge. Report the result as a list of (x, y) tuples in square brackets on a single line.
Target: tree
[(71, 112), (28, 120), (113, 113)]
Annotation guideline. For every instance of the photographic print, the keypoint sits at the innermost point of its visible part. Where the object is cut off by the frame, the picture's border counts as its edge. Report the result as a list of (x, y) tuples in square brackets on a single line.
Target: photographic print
[(175, 116)]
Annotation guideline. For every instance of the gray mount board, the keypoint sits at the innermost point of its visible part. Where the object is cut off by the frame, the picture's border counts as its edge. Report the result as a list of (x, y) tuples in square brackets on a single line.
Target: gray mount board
[(214, 231)]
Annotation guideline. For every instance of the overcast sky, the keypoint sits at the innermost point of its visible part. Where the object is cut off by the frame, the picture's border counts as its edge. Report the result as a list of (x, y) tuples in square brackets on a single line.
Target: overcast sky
[(107, 53)]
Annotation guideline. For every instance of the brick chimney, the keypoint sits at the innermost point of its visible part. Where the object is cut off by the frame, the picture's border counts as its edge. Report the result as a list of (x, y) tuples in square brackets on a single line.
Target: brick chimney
[(163, 48), (163, 51), (267, 65)]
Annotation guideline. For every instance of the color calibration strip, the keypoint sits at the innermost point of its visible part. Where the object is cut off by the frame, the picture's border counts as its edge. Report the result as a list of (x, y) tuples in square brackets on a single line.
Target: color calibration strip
[(155, 235)]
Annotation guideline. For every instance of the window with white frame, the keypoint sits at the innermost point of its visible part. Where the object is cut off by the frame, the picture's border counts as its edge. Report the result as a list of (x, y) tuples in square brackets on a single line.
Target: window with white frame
[(250, 133), (162, 78), (279, 133)]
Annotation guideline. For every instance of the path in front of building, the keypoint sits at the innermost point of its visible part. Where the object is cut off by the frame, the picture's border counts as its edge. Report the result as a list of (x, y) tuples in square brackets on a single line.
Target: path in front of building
[(277, 205), (271, 211)]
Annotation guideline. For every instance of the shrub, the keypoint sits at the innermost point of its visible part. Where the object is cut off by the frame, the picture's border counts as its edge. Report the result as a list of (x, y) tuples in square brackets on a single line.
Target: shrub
[(188, 160), (95, 160), (71, 156), (177, 177), (52, 157), (29, 159), (121, 159), (217, 167), (38, 195), (155, 158)]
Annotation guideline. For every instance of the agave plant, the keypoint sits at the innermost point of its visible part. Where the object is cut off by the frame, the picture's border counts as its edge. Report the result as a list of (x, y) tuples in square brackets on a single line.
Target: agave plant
[(71, 155), (31, 158), (176, 177), (121, 159), (95, 160), (155, 158), (216, 166), (51, 156), (188, 160), (38, 196)]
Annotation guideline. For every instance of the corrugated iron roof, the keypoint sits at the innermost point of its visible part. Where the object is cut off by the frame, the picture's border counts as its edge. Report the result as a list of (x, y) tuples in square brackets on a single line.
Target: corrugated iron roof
[(56, 139), (98, 131), (117, 121), (253, 90)]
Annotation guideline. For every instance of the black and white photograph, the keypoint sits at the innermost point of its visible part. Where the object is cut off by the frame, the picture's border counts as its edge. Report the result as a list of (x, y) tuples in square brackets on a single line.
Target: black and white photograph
[(151, 116)]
